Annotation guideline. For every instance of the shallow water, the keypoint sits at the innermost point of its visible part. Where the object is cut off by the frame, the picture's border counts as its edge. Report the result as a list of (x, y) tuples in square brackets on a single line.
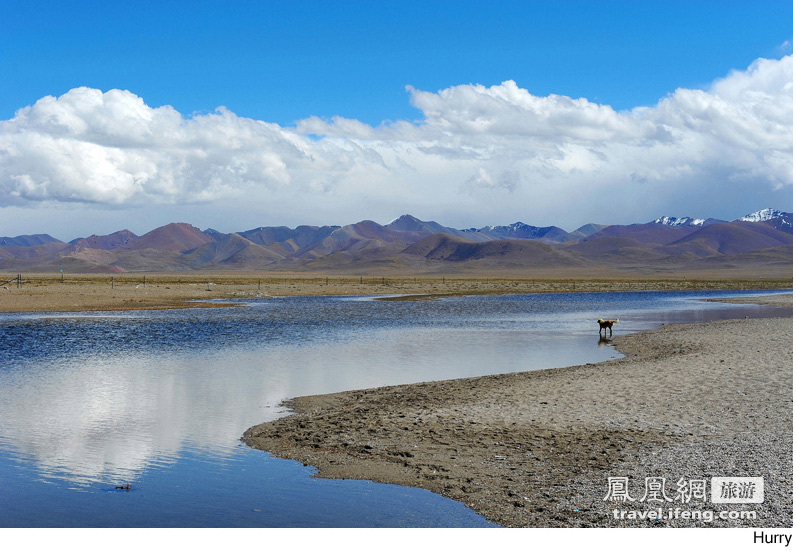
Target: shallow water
[(160, 399)]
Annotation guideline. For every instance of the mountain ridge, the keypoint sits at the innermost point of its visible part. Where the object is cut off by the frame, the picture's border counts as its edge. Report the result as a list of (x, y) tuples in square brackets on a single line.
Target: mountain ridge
[(410, 242)]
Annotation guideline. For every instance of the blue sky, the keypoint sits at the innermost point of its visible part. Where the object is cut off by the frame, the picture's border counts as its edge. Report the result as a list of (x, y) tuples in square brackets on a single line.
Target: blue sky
[(285, 63)]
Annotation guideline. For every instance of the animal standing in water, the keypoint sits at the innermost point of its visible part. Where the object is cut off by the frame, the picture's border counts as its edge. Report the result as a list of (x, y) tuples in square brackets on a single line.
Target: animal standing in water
[(608, 325)]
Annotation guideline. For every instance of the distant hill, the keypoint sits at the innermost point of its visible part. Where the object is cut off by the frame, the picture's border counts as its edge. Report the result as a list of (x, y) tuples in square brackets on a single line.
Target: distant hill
[(290, 240), (174, 237), (618, 250), (654, 233), (408, 243), (440, 246), (27, 240), (511, 251), (359, 236), (231, 250), (106, 242), (410, 224), (737, 237), (586, 230), (46, 251)]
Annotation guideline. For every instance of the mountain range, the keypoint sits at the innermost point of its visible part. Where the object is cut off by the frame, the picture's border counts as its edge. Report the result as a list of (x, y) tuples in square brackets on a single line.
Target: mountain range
[(762, 240)]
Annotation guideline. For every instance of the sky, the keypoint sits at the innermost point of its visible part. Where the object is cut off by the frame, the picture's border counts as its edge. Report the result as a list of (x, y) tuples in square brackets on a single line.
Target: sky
[(237, 115)]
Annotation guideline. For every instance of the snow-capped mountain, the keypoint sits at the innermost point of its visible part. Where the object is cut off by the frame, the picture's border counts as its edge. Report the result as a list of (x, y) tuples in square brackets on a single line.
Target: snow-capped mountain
[(520, 230), (680, 221), (777, 219)]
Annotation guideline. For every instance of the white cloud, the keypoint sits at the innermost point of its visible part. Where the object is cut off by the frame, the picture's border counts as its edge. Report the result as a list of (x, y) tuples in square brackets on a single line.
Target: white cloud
[(111, 148), (506, 109), (476, 149)]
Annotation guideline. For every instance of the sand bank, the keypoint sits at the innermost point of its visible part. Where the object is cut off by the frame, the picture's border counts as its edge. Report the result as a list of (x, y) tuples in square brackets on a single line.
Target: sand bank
[(47, 293), (781, 300), (536, 448)]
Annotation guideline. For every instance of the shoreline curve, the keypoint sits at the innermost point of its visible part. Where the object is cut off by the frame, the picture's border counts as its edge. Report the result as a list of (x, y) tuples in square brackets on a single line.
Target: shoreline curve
[(535, 449)]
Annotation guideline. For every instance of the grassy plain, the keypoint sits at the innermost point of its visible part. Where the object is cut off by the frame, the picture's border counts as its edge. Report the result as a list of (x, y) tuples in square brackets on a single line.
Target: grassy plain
[(57, 293)]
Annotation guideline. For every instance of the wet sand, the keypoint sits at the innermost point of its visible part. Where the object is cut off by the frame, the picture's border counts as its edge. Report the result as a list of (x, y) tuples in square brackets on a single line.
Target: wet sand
[(535, 449)]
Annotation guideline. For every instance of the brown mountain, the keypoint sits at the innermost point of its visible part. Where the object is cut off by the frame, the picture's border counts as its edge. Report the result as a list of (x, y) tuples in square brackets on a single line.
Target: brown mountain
[(737, 236), (358, 236), (408, 243), (440, 246), (46, 251), (174, 236), (618, 250), (27, 240), (290, 240), (231, 250), (707, 243), (586, 230), (106, 242), (510, 251), (416, 229), (778, 257), (654, 233)]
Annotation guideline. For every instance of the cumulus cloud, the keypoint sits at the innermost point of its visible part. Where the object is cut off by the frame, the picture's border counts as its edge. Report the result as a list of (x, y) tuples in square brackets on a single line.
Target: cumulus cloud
[(111, 148), (473, 147), (506, 109)]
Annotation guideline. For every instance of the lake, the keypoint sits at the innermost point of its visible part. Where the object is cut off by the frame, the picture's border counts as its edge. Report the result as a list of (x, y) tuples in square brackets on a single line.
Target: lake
[(160, 399)]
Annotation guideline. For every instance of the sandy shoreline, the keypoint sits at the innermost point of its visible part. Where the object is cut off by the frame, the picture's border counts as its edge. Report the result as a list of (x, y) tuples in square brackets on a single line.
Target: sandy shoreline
[(47, 293), (535, 449), (781, 300)]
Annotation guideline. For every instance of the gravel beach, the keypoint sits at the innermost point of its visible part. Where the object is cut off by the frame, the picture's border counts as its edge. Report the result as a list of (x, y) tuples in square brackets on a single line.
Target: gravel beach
[(535, 449)]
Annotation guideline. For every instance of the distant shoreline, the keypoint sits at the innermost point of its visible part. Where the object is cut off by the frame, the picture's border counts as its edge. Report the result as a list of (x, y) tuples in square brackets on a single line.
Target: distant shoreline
[(535, 449), (48, 293), (781, 300)]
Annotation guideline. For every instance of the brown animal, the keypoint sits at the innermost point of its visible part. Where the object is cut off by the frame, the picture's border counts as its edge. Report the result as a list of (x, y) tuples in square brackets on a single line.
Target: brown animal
[(607, 324)]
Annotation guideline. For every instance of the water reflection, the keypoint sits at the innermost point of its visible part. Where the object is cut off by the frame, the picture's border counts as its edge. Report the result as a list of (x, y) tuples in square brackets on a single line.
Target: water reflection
[(108, 417), (103, 398)]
